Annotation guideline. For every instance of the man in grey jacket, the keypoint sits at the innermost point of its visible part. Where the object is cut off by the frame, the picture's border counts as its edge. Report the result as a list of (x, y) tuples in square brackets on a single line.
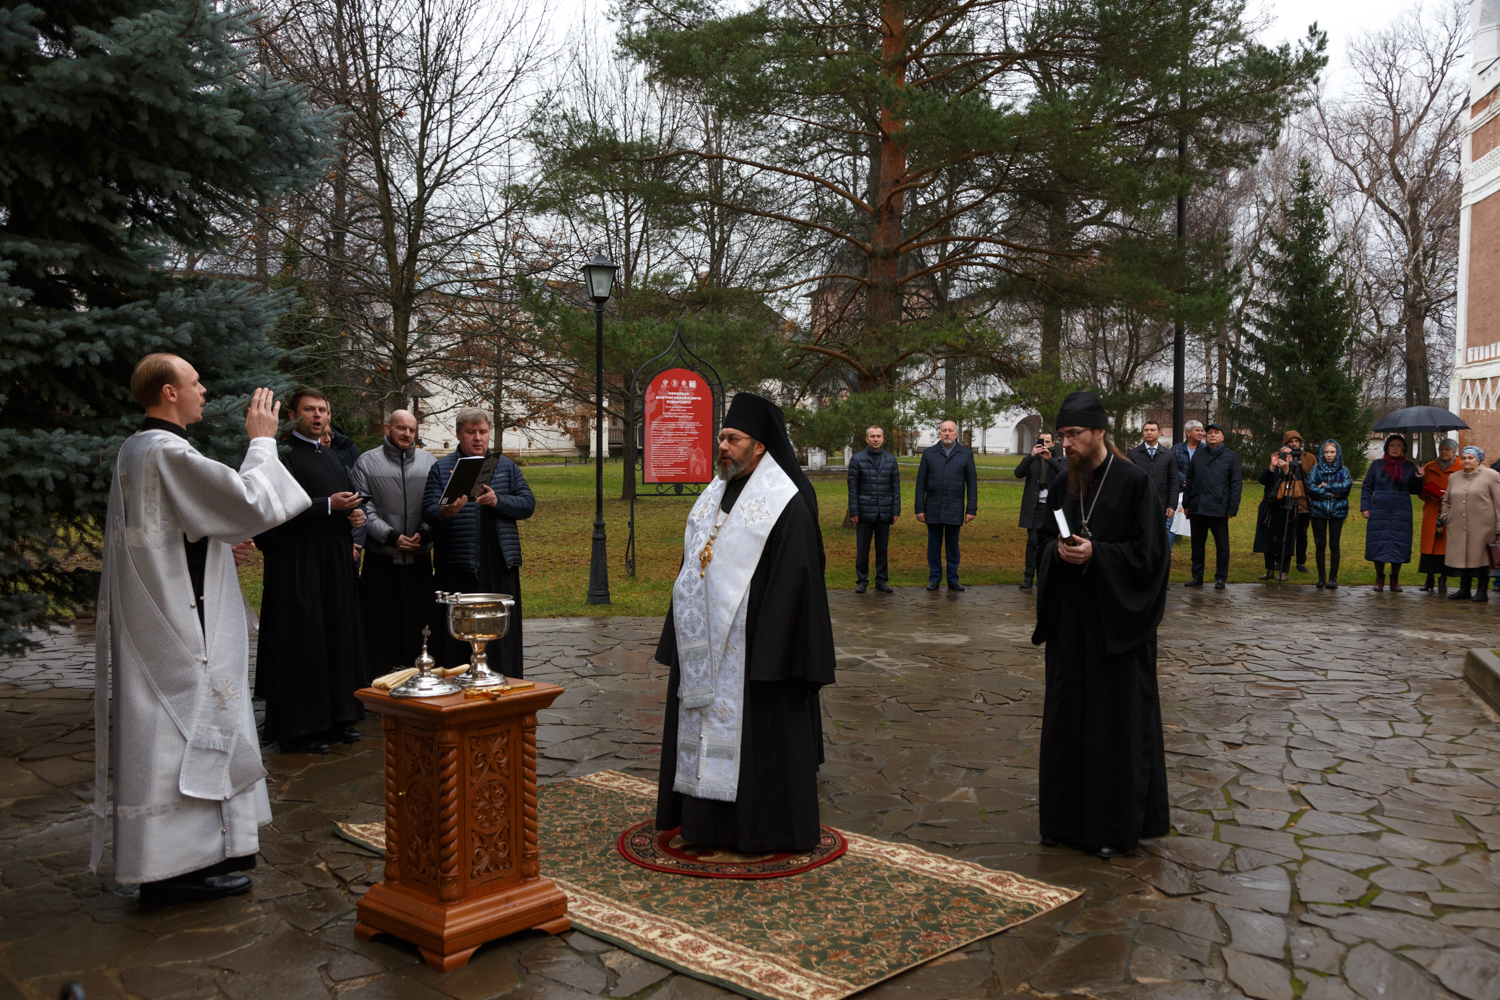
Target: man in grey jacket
[(396, 582)]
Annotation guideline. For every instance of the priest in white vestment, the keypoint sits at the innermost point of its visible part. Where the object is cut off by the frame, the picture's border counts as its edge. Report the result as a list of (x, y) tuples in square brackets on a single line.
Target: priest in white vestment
[(172, 647)]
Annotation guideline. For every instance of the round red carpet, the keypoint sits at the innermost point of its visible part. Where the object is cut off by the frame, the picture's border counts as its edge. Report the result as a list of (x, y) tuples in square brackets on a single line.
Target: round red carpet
[(664, 851)]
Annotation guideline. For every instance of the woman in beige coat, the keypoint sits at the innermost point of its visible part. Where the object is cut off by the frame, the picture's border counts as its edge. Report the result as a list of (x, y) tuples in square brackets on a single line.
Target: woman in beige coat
[(1471, 514)]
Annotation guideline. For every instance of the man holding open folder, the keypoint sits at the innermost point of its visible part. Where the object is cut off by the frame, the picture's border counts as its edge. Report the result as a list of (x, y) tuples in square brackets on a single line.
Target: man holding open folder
[(478, 546)]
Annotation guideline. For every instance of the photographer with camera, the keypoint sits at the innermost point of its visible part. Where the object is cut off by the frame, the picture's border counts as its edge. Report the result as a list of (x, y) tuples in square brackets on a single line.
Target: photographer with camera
[(1038, 469), (1281, 523)]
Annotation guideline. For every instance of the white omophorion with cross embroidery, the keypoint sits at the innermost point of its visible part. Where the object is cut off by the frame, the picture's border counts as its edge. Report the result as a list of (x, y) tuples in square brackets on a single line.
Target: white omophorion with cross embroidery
[(709, 604)]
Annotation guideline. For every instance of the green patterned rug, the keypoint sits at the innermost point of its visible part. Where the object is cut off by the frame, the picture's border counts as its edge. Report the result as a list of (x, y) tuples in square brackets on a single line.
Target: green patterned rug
[(879, 910)]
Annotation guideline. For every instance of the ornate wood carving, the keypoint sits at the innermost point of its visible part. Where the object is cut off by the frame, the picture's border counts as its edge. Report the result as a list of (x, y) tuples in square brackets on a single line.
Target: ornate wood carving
[(391, 727), (420, 816), (530, 863), (449, 889), (462, 863)]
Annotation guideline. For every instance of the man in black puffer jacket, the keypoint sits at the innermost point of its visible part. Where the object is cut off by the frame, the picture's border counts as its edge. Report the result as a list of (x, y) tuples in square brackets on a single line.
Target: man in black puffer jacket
[(874, 505), (1212, 497), (478, 546)]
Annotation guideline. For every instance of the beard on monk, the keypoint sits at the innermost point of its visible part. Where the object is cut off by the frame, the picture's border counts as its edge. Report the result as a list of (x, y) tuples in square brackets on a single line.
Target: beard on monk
[(1103, 780), (749, 643)]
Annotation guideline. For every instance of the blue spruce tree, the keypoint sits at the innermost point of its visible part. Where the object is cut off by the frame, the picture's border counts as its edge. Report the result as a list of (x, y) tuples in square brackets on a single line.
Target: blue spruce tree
[(129, 130)]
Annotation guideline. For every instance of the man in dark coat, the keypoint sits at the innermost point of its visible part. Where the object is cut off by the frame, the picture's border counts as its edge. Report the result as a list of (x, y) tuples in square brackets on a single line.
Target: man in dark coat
[(1102, 767), (311, 656), (947, 498), (749, 643), (1212, 496), (874, 505), (1160, 466), (477, 545), (1038, 469)]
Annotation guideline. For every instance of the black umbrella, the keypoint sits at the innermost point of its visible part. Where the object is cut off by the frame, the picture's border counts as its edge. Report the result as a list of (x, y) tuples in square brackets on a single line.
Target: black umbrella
[(1421, 418)]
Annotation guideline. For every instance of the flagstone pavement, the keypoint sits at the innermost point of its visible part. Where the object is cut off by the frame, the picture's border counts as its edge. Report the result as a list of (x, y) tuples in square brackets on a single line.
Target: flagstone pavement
[(1335, 787)]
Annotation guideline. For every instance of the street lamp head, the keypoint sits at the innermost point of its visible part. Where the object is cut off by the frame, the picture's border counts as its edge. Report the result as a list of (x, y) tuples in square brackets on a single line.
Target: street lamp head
[(599, 277)]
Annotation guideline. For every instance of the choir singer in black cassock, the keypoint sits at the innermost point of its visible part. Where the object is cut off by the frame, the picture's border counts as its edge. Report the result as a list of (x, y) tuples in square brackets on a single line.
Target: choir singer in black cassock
[(311, 655), (1103, 772), (749, 643)]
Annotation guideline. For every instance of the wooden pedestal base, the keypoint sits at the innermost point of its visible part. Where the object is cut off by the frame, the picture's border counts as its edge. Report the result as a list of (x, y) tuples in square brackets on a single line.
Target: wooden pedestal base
[(462, 860)]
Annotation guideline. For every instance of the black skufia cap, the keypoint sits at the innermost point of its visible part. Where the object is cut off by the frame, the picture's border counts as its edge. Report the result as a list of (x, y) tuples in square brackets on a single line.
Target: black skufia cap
[(1082, 409)]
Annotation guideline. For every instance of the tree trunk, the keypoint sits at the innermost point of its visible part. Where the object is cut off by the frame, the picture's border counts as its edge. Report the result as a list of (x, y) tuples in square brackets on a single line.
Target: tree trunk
[(882, 296)]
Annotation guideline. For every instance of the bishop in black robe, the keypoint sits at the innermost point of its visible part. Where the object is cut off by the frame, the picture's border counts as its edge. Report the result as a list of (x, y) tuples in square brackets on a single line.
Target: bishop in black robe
[(311, 658), (789, 656), (1103, 780)]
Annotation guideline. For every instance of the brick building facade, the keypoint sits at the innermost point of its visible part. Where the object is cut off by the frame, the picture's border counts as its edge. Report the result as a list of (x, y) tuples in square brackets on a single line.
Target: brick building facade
[(1475, 392)]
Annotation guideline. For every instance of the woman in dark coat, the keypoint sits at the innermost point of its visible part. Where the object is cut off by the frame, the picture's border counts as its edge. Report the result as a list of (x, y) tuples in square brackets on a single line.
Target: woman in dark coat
[(1385, 501)]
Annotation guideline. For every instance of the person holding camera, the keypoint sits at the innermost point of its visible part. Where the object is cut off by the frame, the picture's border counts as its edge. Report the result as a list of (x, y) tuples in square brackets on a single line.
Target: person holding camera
[(1328, 487), (1385, 501), (1038, 469), (1471, 513), (1281, 523)]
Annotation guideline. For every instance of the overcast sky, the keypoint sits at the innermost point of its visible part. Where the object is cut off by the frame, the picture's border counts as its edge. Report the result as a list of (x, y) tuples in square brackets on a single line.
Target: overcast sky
[(1342, 19)]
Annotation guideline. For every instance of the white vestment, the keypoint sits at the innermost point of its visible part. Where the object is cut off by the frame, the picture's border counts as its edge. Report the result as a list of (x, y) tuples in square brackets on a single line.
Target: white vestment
[(709, 606), (189, 788)]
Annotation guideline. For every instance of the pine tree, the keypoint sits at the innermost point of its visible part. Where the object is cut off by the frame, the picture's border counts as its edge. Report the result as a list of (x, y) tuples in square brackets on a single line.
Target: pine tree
[(1294, 367), (130, 130)]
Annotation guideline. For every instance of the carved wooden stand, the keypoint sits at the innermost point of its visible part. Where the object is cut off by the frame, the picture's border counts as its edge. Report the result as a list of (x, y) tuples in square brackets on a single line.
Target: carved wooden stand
[(461, 862)]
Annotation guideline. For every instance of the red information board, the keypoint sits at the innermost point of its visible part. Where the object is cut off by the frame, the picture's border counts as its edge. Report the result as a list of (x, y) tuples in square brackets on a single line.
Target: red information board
[(679, 428)]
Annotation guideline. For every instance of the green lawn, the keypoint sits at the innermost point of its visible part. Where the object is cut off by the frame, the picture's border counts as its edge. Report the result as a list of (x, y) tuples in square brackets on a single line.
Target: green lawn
[(556, 541)]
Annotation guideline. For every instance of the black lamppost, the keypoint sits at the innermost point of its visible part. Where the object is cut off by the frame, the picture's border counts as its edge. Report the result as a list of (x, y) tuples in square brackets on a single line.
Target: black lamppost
[(599, 279)]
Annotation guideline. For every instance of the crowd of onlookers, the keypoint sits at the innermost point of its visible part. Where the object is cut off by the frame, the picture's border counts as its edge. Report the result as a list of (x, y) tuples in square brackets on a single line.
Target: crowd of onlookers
[(1199, 482)]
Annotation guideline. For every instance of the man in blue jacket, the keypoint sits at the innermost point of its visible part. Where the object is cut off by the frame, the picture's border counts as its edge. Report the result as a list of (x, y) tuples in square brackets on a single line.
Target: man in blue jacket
[(477, 545), (874, 505), (947, 498)]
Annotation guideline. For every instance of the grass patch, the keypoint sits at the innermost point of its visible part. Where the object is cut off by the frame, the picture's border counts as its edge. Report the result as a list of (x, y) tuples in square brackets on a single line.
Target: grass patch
[(556, 541)]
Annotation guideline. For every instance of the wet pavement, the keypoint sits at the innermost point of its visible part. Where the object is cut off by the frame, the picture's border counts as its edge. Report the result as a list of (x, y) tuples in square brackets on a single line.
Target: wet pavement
[(1335, 788)]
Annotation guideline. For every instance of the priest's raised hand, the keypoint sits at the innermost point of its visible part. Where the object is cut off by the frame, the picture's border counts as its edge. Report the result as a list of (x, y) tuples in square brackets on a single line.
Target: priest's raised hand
[(173, 650)]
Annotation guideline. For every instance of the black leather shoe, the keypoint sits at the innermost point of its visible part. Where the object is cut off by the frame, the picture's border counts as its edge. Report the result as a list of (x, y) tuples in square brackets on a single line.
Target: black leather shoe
[(1333, 583), (859, 588), (350, 735), (193, 887), (1302, 568), (932, 586), (1482, 597), (1322, 584), (1196, 581), (312, 744), (1218, 584), (1026, 583), (884, 589), (1113, 852), (1461, 595), (956, 586)]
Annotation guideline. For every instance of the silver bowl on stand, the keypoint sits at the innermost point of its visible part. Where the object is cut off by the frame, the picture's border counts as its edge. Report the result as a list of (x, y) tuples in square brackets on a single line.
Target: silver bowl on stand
[(478, 619)]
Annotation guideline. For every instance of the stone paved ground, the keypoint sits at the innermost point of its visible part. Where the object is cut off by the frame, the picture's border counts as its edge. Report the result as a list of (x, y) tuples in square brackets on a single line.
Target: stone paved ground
[(1335, 791)]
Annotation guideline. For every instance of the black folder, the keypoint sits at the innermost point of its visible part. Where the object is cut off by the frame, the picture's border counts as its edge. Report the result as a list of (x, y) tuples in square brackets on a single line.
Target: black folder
[(469, 473)]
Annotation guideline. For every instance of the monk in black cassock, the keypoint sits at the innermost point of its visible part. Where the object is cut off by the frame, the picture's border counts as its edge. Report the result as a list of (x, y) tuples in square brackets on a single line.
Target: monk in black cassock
[(1103, 769), (311, 657), (747, 713)]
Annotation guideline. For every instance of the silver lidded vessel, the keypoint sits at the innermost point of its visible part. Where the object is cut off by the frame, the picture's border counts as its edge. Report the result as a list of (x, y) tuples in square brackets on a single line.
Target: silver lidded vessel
[(478, 619), (425, 684)]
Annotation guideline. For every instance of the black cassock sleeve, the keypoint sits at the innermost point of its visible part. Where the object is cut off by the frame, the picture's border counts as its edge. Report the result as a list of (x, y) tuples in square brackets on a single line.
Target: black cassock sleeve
[(788, 632), (1124, 586)]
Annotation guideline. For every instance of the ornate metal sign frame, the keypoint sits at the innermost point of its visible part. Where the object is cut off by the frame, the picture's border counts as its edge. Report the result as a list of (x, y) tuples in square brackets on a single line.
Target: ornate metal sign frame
[(677, 355)]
